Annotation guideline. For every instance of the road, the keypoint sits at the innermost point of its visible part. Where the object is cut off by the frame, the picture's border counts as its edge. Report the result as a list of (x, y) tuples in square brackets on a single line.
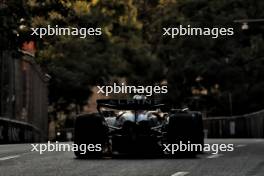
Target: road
[(246, 160)]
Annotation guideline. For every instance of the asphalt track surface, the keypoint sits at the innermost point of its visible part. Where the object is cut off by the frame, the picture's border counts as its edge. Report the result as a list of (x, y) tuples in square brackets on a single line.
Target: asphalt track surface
[(246, 160)]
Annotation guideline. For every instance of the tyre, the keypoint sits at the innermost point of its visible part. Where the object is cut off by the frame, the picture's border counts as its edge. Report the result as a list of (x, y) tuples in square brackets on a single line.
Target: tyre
[(186, 128), (90, 130)]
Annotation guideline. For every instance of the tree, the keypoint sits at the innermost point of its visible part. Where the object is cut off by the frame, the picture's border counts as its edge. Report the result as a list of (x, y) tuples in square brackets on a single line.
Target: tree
[(11, 13), (132, 46), (215, 60), (71, 61)]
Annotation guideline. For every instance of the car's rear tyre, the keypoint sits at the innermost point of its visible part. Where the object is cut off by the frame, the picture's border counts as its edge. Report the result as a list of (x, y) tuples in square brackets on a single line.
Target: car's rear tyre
[(186, 128), (90, 129)]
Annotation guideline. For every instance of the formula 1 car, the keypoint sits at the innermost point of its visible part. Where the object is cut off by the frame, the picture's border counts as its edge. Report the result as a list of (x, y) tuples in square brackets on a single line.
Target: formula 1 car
[(132, 126)]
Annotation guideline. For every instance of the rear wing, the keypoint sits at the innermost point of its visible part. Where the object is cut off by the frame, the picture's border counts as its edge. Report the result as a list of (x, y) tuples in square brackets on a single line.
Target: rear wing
[(130, 104)]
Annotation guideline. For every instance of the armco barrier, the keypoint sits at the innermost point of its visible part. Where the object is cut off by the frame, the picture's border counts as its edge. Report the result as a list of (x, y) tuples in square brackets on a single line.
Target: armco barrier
[(12, 131), (244, 126)]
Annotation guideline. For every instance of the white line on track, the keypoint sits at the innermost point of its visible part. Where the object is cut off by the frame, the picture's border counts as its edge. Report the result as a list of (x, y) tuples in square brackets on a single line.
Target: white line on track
[(214, 156), (180, 174), (241, 145), (9, 157)]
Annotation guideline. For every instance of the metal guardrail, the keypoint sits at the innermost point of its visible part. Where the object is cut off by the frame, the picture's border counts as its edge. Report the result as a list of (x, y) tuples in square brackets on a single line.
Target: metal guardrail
[(244, 126), (13, 131)]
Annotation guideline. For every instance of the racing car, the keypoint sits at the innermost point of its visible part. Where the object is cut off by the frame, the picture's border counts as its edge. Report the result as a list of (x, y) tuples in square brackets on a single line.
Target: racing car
[(136, 126)]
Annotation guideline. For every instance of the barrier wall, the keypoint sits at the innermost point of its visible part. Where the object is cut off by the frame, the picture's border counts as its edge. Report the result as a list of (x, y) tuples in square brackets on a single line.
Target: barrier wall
[(17, 132), (244, 126)]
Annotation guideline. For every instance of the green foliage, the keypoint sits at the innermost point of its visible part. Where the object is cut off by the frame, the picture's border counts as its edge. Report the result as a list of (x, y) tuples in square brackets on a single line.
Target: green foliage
[(230, 69), (11, 13), (78, 64), (234, 64)]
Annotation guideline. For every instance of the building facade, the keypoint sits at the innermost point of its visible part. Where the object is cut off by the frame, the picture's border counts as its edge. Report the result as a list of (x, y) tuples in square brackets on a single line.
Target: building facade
[(23, 99)]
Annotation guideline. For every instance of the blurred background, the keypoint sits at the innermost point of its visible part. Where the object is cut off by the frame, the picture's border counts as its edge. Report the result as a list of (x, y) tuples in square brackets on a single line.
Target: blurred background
[(45, 82)]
